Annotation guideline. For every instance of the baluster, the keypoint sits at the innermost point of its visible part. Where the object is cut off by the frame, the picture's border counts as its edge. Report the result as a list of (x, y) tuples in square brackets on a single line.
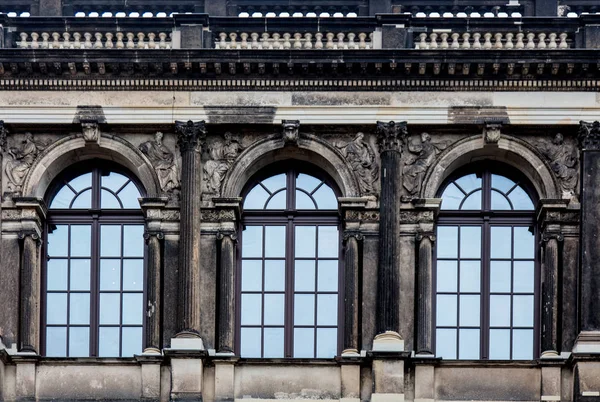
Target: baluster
[(55, 40), (445, 44), (520, 44), (276, 41), (466, 44), (509, 43), (23, 42), (541, 41), (120, 44), (223, 40), (476, 42), (163, 40), (98, 42), (109, 43), (455, 44), (254, 37), (370, 44), (362, 44), (329, 44), (244, 43), (265, 41), (297, 40), (498, 42), (433, 41), (319, 40), (340, 43), (530, 42), (233, 41), (488, 43), (141, 44), (77, 40), (151, 42), (552, 44), (130, 43), (34, 40), (423, 42), (88, 40), (351, 43), (45, 43), (286, 41), (308, 41), (66, 40), (563, 41)]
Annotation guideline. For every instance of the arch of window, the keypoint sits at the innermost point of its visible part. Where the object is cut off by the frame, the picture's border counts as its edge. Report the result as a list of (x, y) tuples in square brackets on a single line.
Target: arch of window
[(93, 276), (486, 269), (289, 270)]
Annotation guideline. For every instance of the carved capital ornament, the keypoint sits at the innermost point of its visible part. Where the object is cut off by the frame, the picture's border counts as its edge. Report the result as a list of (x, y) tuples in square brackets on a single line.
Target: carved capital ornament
[(3, 135), (391, 135), (589, 136), (190, 135)]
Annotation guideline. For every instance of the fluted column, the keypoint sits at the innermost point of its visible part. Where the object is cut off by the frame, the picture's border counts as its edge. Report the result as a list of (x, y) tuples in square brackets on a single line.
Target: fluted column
[(153, 290), (425, 294), (226, 336), (190, 137), (390, 138), (351, 268), (29, 290), (550, 306)]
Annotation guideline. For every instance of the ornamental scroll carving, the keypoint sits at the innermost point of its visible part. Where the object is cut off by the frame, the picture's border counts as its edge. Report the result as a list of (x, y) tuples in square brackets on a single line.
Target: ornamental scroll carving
[(361, 158), (222, 153), (163, 161), (420, 154), (564, 161), (23, 156)]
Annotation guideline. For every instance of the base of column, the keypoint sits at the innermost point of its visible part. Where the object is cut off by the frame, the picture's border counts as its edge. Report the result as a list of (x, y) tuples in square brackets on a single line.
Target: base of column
[(387, 397), (587, 342), (389, 341), (186, 342), (151, 352), (350, 353), (550, 354)]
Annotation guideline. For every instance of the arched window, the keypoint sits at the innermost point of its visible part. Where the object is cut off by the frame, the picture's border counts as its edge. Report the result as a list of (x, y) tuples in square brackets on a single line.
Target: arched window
[(486, 271), (94, 268), (289, 274)]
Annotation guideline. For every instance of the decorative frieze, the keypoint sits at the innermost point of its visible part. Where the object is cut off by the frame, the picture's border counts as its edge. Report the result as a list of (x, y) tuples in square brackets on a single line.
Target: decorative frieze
[(589, 136), (361, 157), (222, 153), (416, 216), (362, 216), (163, 161), (218, 215)]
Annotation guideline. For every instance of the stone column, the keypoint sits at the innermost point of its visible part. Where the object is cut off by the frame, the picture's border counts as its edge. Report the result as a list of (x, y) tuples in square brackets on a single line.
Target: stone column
[(30, 293), (226, 291), (153, 290), (351, 292), (425, 294), (390, 137), (550, 307), (190, 137)]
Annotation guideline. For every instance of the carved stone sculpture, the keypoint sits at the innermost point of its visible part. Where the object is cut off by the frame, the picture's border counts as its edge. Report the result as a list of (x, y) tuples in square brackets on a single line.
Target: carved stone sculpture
[(290, 132), (391, 136), (492, 133), (420, 156), (90, 130), (222, 156), (163, 161), (23, 157), (589, 135), (361, 157), (563, 160)]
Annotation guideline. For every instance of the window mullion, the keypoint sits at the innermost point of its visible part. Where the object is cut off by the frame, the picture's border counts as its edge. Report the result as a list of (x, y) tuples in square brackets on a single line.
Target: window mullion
[(289, 290), (94, 289), (485, 290)]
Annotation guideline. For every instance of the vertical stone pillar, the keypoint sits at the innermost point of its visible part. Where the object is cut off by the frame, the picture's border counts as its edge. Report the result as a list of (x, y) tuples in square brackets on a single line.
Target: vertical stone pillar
[(550, 294), (30, 295), (153, 289), (190, 137), (226, 336), (390, 137), (351, 292), (425, 294)]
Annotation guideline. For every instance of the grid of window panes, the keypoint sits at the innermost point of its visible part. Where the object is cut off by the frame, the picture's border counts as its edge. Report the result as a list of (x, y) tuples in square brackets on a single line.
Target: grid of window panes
[(95, 268), (289, 270)]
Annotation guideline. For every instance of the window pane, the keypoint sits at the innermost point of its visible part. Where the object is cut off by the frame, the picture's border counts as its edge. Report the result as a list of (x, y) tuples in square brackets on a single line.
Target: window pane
[(327, 309), (500, 276), (274, 241), (500, 311), (520, 200), (500, 241), (470, 242), (132, 341), (275, 183), (451, 197), (469, 310), (113, 181), (274, 307), (447, 276), (522, 344), (277, 201), (80, 274), (328, 276), (304, 342), (56, 341), (251, 309), (133, 275), (81, 239), (58, 241), (325, 198), (133, 240), (502, 183), (305, 241), (62, 199), (524, 242), (472, 202), (110, 308), (446, 310), (445, 343), (326, 342), (304, 275), (524, 277), (303, 201), (447, 244), (110, 274), (523, 311), (110, 240), (328, 241), (470, 276), (252, 242), (83, 200), (469, 182), (250, 341), (56, 310), (256, 198), (499, 202), (129, 196), (468, 344), (251, 275), (307, 182), (108, 342), (57, 275), (109, 201), (133, 305), (79, 342), (79, 308), (499, 344), (304, 309), (273, 346)]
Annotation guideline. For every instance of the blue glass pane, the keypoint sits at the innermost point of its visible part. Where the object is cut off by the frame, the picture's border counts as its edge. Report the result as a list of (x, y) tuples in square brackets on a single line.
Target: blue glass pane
[(256, 198), (473, 201), (451, 197), (469, 182), (303, 201), (63, 198), (275, 183), (83, 200), (307, 182), (325, 198), (114, 181), (129, 196), (502, 183), (109, 201), (499, 201), (520, 200), (278, 201)]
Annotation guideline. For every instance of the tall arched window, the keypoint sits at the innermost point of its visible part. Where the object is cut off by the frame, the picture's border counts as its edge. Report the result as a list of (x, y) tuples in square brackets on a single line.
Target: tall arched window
[(94, 268), (486, 276), (289, 275)]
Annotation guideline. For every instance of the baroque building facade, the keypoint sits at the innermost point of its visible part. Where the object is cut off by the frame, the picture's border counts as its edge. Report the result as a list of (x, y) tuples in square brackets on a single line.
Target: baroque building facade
[(374, 200)]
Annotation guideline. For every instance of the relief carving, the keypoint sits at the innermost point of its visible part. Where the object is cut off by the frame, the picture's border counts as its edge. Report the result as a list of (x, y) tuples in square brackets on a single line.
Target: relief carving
[(589, 136), (361, 157), (363, 216), (23, 155), (291, 132), (421, 154), (3, 135), (492, 133), (90, 131), (163, 161), (218, 215), (563, 160), (222, 156)]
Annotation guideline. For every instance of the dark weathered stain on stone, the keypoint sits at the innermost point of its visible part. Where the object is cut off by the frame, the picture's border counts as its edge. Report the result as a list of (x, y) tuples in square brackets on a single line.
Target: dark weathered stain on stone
[(89, 113), (242, 115), (477, 115)]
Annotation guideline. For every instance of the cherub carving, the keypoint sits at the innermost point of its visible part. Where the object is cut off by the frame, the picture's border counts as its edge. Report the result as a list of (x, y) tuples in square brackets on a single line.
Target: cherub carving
[(163, 161), (222, 155), (23, 156), (361, 157), (563, 160), (420, 156)]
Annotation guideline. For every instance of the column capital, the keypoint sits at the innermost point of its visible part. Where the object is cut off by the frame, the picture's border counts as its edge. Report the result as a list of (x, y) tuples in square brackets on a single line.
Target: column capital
[(153, 233), (357, 234), (422, 235), (547, 236), (3, 134), (190, 135), (589, 136), (221, 234), (391, 136)]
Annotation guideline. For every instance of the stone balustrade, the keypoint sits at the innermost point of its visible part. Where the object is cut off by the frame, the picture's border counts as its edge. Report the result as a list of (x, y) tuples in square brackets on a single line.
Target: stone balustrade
[(318, 40), (96, 40), (489, 40)]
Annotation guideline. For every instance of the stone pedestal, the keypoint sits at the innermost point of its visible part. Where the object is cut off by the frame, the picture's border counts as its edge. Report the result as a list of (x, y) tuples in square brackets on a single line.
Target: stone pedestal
[(225, 379), (151, 364), (350, 382), (186, 378), (25, 375), (425, 381), (388, 377)]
